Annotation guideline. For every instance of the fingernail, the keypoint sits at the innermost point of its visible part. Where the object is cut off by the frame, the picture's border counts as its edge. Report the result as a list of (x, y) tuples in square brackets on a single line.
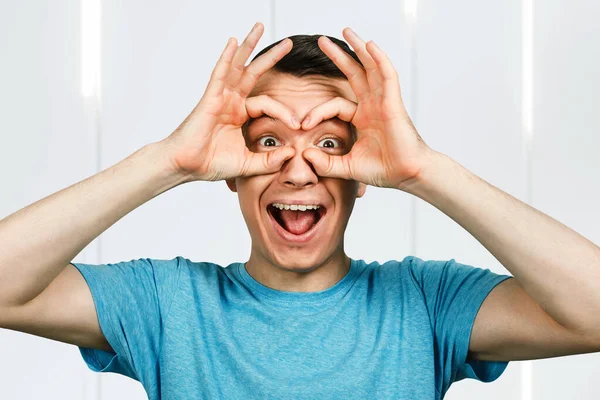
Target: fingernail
[(295, 122), (284, 42), (351, 31), (306, 122)]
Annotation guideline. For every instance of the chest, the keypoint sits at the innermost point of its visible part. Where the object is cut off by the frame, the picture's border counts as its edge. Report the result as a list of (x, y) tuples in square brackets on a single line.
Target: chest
[(354, 349)]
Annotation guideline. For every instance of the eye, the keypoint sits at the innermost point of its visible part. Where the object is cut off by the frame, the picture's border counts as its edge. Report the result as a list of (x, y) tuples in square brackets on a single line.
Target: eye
[(329, 143), (269, 141)]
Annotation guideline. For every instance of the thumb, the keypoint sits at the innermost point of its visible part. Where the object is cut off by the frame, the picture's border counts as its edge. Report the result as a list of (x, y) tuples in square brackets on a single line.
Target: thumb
[(268, 162), (327, 165)]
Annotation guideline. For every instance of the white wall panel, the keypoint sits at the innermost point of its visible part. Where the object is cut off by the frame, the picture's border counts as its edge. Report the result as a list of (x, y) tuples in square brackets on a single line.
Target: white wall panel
[(44, 146), (468, 107), (158, 58), (463, 91), (566, 161)]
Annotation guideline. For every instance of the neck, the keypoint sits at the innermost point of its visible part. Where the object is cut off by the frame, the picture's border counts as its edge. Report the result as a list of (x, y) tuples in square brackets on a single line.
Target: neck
[(310, 278)]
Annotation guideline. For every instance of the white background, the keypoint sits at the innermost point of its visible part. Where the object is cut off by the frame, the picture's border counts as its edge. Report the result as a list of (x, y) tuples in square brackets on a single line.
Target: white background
[(465, 78)]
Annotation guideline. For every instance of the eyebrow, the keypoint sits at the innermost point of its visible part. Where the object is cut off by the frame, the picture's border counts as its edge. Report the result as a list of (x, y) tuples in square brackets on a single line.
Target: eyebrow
[(251, 120)]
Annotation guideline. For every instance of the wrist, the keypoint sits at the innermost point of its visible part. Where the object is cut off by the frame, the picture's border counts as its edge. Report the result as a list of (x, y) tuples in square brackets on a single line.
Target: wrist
[(431, 177), (156, 157)]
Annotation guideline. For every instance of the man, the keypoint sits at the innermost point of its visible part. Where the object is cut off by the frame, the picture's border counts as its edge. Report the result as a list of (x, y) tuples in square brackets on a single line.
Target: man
[(298, 134)]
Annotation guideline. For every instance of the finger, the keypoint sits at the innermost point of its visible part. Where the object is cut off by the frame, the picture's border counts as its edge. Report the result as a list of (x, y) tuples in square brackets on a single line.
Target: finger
[(339, 107), (388, 72), (328, 165), (373, 76), (217, 79), (265, 105), (243, 53), (261, 65), (268, 162), (348, 65)]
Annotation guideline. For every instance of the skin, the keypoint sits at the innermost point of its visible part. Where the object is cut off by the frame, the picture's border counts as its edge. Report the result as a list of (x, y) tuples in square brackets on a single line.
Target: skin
[(321, 262), (208, 146), (536, 314), (550, 308)]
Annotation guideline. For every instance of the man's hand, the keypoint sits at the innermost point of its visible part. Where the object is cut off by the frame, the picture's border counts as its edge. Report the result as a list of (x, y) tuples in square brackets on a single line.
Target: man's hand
[(388, 151), (209, 144)]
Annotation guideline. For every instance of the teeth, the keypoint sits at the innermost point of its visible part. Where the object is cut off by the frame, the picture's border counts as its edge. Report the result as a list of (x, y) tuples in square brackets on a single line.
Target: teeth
[(295, 207)]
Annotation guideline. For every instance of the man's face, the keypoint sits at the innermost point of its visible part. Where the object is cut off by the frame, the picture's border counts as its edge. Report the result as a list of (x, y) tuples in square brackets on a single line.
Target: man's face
[(292, 239)]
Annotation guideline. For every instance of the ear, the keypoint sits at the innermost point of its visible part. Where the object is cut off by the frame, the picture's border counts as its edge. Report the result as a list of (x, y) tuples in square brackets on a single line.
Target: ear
[(231, 184), (362, 188)]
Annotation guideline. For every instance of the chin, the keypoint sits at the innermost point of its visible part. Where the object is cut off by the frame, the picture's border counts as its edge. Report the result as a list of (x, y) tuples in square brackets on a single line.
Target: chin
[(297, 234), (299, 261)]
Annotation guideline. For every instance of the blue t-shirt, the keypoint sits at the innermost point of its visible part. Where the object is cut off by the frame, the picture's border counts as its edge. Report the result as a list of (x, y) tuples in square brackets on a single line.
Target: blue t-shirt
[(196, 330)]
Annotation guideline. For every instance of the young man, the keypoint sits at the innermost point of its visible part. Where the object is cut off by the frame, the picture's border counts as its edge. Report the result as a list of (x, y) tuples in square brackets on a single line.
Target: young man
[(298, 134)]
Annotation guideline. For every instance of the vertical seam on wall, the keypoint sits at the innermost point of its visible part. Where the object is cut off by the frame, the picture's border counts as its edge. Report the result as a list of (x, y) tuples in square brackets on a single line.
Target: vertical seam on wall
[(90, 52), (412, 25), (98, 134), (272, 21), (98, 131), (527, 84)]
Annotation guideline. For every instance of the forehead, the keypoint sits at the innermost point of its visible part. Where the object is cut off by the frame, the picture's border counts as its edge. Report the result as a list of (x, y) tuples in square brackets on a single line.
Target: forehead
[(301, 94)]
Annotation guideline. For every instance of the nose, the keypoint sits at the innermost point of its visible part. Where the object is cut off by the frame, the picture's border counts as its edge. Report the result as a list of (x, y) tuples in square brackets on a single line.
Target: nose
[(297, 172)]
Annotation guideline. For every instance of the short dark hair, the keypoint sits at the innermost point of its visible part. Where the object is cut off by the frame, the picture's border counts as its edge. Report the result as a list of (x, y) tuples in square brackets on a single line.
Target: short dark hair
[(306, 58)]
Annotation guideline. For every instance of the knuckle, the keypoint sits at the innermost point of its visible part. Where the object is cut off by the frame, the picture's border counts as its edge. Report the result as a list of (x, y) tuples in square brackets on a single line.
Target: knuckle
[(238, 68), (349, 168), (266, 160), (246, 165), (330, 164), (273, 58), (354, 76), (252, 75)]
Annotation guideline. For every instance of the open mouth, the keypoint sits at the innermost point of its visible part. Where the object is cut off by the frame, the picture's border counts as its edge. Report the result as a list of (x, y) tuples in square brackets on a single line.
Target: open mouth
[(296, 219)]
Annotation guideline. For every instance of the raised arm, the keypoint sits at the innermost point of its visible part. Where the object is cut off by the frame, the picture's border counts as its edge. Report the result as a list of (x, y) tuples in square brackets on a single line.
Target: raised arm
[(551, 306), (38, 242)]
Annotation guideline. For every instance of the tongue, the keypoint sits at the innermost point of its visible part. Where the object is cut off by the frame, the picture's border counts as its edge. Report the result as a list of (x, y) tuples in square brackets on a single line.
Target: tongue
[(298, 222)]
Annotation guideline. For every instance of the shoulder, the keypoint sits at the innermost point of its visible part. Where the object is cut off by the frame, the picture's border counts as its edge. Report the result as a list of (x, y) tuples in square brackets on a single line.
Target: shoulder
[(428, 275), (405, 264), (396, 275), (162, 272), (420, 269), (409, 266), (180, 262), (198, 273)]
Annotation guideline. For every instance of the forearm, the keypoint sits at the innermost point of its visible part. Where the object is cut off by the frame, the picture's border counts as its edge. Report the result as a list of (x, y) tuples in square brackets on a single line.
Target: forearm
[(559, 268), (38, 241)]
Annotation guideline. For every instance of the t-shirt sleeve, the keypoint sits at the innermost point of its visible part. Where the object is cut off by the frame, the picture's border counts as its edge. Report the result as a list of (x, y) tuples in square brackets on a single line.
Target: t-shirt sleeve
[(132, 299), (453, 294)]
